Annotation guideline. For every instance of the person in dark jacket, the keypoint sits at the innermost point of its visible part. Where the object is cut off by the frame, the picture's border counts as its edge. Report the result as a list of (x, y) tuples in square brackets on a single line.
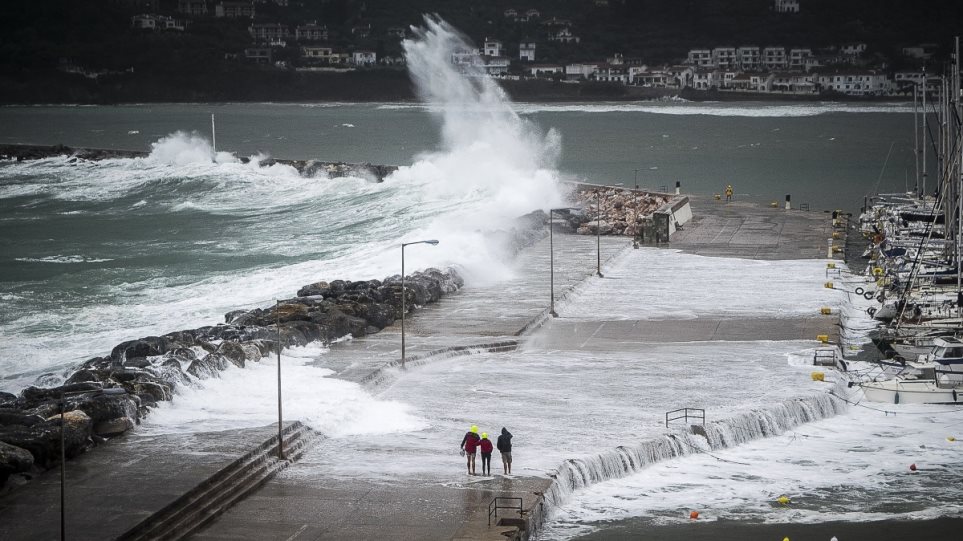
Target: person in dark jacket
[(486, 452), (469, 445), (504, 445)]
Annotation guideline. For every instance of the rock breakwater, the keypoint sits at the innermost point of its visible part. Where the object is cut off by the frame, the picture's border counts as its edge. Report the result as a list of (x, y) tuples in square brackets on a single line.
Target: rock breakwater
[(107, 396), (307, 168)]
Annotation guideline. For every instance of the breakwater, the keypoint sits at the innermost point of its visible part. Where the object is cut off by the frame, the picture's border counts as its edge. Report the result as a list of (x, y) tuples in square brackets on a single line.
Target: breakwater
[(308, 168), (109, 395)]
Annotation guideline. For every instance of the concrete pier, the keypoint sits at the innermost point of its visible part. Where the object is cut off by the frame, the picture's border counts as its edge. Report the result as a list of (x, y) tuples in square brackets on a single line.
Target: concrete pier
[(303, 503)]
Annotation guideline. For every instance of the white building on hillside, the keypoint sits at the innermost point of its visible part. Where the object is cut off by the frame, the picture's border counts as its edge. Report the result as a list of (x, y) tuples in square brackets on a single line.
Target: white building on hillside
[(699, 57), (798, 57), (526, 50), (493, 47), (856, 83), (580, 70), (786, 6), (724, 57), (748, 58), (774, 58)]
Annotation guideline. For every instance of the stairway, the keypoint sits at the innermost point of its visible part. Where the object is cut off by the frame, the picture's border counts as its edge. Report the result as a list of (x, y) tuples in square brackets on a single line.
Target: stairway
[(189, 513)]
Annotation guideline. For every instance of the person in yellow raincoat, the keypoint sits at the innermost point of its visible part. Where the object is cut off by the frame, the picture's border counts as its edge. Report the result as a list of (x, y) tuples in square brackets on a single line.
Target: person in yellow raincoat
[(728, 192)]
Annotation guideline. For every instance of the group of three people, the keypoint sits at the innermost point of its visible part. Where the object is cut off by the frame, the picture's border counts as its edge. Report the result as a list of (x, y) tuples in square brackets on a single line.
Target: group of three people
[(472, 442)]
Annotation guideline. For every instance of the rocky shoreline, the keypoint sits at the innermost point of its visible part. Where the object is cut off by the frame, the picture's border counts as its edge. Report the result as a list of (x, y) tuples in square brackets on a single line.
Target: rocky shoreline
[(308, 168), (107, 396)]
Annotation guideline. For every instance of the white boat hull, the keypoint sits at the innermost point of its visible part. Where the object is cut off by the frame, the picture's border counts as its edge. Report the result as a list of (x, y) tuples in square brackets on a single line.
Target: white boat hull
[(911, 391)]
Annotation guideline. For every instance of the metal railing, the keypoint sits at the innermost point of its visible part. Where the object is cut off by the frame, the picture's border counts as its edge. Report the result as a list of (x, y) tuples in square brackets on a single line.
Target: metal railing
[(824, 357), (495, 505), (685, 413)]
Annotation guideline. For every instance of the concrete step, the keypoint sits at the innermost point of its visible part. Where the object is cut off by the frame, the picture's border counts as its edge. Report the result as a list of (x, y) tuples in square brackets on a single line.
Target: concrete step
[(231, 484)]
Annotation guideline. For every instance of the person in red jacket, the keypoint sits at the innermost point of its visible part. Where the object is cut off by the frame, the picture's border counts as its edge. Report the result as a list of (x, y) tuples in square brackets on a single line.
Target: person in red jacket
[(469, 444), (486, 452)]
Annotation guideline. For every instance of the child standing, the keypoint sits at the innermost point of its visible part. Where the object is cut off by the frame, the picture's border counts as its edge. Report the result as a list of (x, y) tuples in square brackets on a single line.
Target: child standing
[(469, 445), (486, 452)]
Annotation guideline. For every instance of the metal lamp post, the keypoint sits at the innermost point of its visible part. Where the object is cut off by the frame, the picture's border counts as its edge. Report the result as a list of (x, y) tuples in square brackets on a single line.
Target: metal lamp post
[(63, 449), (403, 305), (551, 258), (598, 228)]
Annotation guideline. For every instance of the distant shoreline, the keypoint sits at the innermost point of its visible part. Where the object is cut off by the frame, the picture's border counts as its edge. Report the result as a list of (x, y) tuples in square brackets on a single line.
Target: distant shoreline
[(363, 86)]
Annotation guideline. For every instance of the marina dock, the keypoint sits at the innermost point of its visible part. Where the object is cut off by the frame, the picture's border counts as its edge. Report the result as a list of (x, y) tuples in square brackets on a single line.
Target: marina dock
[(300, 502)]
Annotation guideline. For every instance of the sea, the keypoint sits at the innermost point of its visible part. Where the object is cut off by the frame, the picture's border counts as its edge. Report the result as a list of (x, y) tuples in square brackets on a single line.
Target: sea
[(98, 252)]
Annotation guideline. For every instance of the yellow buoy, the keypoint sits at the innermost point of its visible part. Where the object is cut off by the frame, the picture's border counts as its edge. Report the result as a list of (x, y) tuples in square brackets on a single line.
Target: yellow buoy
[(828, 285), (825, 310), (822, 338), (818, 376), (830, 265), (783, 500)]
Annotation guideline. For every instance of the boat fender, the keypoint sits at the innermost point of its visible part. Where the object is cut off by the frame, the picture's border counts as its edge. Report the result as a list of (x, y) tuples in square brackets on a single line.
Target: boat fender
[(871, 311), (860, 291), (954, 395), (868, 295)]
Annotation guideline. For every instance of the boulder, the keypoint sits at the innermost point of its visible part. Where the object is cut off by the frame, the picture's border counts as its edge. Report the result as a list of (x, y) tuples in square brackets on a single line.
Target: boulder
[(143, 347), (113, 427), (233, 352), (42, 441), (32, 397), (103, 407), (7, 398), (290, 312), (85, 376), (318, 288), (13, 459), (10, 416), (205, 368)]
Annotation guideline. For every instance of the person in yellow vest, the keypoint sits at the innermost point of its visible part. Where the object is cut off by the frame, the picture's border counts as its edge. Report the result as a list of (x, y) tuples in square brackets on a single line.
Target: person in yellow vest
[(728, 192)]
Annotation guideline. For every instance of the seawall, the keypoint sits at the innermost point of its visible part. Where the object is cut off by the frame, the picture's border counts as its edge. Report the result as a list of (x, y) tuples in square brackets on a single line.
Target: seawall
[(305, 167)]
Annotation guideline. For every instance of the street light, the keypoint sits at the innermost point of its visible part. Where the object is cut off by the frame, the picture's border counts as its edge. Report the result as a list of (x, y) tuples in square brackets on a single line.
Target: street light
[(63, 448), (551, 257), (598, 226), (431, 242)]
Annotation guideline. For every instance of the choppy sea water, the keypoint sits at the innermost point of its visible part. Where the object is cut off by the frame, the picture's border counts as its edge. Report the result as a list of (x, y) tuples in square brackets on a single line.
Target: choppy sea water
[(97, 253)]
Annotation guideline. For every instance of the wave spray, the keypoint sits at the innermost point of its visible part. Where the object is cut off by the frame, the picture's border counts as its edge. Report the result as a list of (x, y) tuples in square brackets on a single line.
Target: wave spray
[(500, 163)]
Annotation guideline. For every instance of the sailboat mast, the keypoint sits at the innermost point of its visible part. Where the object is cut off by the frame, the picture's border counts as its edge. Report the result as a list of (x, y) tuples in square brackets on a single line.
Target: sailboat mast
[(923, 180), (916, 136)]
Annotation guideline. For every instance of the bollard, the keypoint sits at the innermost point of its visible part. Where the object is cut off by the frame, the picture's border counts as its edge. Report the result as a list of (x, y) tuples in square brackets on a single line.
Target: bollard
[(824, 338), (788, 205), (678, 187)]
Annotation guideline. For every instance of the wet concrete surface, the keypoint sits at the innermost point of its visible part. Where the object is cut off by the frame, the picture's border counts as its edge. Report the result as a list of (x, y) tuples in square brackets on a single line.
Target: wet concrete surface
[(138, 474), (115, 486)]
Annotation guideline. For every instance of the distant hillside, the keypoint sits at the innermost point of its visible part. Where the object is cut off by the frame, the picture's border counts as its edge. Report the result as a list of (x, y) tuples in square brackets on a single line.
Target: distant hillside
[(70, 50)]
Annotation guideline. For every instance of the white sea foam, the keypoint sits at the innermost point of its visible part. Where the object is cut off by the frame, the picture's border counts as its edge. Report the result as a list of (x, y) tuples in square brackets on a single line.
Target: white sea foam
[(494, 165), (181, 149), (241, 398), (736, 109), (63, 259)]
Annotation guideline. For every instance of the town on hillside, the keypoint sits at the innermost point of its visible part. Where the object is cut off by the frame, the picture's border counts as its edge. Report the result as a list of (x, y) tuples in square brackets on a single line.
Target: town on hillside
[(777, 47)]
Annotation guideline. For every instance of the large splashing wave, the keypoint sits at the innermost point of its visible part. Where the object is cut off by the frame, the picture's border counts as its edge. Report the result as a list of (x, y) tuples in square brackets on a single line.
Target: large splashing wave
[(500, 165)]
